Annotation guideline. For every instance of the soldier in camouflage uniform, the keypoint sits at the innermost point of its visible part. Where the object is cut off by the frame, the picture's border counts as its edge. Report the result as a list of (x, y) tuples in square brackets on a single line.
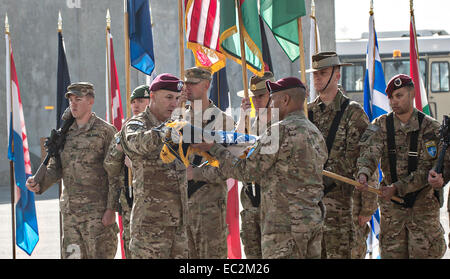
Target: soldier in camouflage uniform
[(159, 213), (250, 193), (207, 199), (345, 225), (414, 230), (287, 163), (116, 164), (89, 199)]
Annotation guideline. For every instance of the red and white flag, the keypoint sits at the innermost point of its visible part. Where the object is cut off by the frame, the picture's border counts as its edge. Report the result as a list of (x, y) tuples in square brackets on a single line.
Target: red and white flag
[(113, 100), (114, 112), (233, 238), (202, 24), (420, 101)]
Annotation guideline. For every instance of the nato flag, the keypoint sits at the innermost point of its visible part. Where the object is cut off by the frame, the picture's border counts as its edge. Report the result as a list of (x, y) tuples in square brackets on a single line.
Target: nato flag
[(63, 80), (141, 40)]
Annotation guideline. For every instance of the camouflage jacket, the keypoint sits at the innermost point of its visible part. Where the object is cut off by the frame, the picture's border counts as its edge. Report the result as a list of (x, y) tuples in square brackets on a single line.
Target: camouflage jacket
[(160, 195), (86, 185), (374, 147), (345, 149), (288, 167), (114, 164)]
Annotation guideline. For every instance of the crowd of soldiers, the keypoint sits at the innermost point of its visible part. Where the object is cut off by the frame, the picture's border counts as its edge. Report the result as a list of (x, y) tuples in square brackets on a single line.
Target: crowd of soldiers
[(290, 209)]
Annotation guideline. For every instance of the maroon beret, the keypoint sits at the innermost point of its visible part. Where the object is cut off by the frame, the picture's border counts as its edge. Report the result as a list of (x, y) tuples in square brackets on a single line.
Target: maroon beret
[(397, 82), (167, 82), (283, 84)]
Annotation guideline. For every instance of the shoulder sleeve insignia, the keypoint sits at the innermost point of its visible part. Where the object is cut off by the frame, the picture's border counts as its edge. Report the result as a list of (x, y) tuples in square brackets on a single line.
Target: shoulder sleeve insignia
[(371, 129), (431, 148)]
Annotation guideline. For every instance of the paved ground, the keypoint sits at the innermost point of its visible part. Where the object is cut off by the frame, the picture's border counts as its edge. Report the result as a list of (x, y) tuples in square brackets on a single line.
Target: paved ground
[(48, 222)]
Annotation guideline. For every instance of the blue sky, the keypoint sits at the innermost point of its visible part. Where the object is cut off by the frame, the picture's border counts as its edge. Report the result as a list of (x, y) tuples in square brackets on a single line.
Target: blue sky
[(390, 15)]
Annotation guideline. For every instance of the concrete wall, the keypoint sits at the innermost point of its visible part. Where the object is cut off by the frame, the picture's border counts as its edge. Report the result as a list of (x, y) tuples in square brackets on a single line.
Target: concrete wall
[(33, 28)]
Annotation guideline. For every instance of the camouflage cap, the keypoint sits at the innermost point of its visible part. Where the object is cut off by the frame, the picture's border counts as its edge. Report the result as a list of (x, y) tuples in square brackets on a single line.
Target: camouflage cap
[(142, 91), (196, 74), (80, 89), (258, 85), (326, 59)]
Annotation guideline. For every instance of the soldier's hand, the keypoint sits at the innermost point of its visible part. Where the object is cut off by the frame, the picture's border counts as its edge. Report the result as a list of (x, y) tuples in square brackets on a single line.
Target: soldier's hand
[(183, 97), (128, 162), (362, 220), (189, 173), (245, 105), (202, 146), (388, 191), (362, 179), (435, 179), (32, 185), (109, 217)]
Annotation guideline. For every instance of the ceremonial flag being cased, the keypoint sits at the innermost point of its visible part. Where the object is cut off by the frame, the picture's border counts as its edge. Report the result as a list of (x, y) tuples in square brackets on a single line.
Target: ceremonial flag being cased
[(420, 101), (230, 36), (140, 33), (376, 103), (202, 24), (27, 234), (314, 47)]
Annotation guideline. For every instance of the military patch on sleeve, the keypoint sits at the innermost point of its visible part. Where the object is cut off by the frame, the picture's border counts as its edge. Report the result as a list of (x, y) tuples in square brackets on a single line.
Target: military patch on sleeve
[(371, 129), (135, 125), (431, 148)]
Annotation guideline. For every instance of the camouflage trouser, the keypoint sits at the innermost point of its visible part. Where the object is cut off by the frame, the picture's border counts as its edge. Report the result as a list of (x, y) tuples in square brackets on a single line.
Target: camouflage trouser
[(337, 229), (292, 245), (359, 240), (126, 215), (410, 233), (156, 242), (250, 228), (207, 229), (85, 237)]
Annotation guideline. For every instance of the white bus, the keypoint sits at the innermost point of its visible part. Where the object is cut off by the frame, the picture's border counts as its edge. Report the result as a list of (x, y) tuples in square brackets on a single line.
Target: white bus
[(434, 64)]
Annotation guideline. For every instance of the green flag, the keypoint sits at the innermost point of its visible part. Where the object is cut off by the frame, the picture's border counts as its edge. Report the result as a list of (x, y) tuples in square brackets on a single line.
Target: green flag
[(229, 34), (281, 17)]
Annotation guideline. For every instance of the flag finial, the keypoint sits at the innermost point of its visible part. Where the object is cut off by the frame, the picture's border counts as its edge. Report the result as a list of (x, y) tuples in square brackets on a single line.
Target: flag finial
[(6, 24), (411, 6), (59, 22), (108, 20), (313, 8), (371, 7)]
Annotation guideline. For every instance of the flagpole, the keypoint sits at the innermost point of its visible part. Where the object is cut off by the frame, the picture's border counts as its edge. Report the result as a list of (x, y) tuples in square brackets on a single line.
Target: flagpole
[(373, 52), (11, 163), (60, 181), (243, 63), (181, 48), (127, 57), (108, 70), (302, 61)]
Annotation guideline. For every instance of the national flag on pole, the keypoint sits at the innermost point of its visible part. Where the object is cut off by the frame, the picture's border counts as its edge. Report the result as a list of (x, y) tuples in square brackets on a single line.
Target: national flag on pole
[(114, 111), (229, 34), (219, 92), (202, 24), (420, 101), (281, 17), (376, 103), (314, 47), (265, 48), (27, 234), (141, 39), (220, 95), (63, 80), (114, 101)]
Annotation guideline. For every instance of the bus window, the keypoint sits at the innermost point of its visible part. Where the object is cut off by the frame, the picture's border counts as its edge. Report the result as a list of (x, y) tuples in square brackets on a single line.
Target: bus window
[(352, 78), (394, 67), (439, 77)]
